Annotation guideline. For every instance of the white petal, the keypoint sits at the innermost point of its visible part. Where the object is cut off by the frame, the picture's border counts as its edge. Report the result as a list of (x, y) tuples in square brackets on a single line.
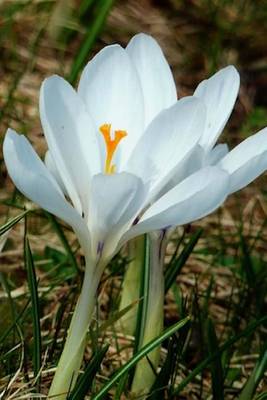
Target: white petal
[(34, 180), (216, 154), (195, 197), (219, 94), (246, 161), (199, 159), (192, 163), (51, 166), (170, 137), (71, 138), (154, 73), (116, 199), (111, 89)]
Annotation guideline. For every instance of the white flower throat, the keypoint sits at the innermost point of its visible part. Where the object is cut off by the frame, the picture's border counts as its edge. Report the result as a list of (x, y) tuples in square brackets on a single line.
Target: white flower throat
[(111, 145)]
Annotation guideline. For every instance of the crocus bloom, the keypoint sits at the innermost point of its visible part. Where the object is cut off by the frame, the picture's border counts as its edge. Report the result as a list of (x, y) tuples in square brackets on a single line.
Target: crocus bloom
[(113, 147)]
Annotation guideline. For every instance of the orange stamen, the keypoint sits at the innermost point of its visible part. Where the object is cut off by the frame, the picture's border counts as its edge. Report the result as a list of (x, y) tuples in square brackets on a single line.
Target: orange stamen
[(111, 145)]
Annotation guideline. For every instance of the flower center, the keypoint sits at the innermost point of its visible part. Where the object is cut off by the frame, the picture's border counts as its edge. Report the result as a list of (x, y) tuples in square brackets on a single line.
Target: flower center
[(111, 145)]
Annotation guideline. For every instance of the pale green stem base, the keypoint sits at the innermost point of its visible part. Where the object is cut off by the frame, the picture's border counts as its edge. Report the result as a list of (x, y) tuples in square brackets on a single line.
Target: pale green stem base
[(144, 376), (72, 355), (131, 286)]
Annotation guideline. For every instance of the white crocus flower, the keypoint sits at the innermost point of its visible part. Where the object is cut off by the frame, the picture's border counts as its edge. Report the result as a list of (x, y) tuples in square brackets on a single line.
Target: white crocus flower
[(112, 147)]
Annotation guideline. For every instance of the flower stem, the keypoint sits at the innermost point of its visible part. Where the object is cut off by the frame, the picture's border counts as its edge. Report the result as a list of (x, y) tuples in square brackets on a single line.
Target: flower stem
[(144, 376), (72, 355), (131, 285)]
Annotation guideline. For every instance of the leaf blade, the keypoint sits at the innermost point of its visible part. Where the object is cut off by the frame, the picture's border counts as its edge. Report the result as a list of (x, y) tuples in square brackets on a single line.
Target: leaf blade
[(138, 356)]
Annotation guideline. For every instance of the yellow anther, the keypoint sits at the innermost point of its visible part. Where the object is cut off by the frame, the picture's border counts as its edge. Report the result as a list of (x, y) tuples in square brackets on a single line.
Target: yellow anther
[(111, 145)]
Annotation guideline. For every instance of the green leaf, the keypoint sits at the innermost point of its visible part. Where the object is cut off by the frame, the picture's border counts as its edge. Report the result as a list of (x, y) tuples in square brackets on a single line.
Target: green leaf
[(85, 6), (205, 363), (120, 387), (4, 228), (92, 33), (15, 323), (216, 366), (246, 262), (255, 377), (175, 267), (138, 356), (166, 372), (33, 288), (261, 396), (58, 325), (85, 381), (115, 317)]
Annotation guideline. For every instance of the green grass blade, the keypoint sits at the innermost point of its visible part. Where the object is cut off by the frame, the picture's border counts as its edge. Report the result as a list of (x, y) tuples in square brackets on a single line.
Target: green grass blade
[(256, 376), (4, 228), (120, 387), (58, 322), (85, 381), (115, 317), (6, 287), (167, 370), (85, 6), (205, 363), (261, 396), (138, 356), (175, 267), (246, 262), (15, 323), (17, 332), (104, 7), (33, 288), (217, 375)]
